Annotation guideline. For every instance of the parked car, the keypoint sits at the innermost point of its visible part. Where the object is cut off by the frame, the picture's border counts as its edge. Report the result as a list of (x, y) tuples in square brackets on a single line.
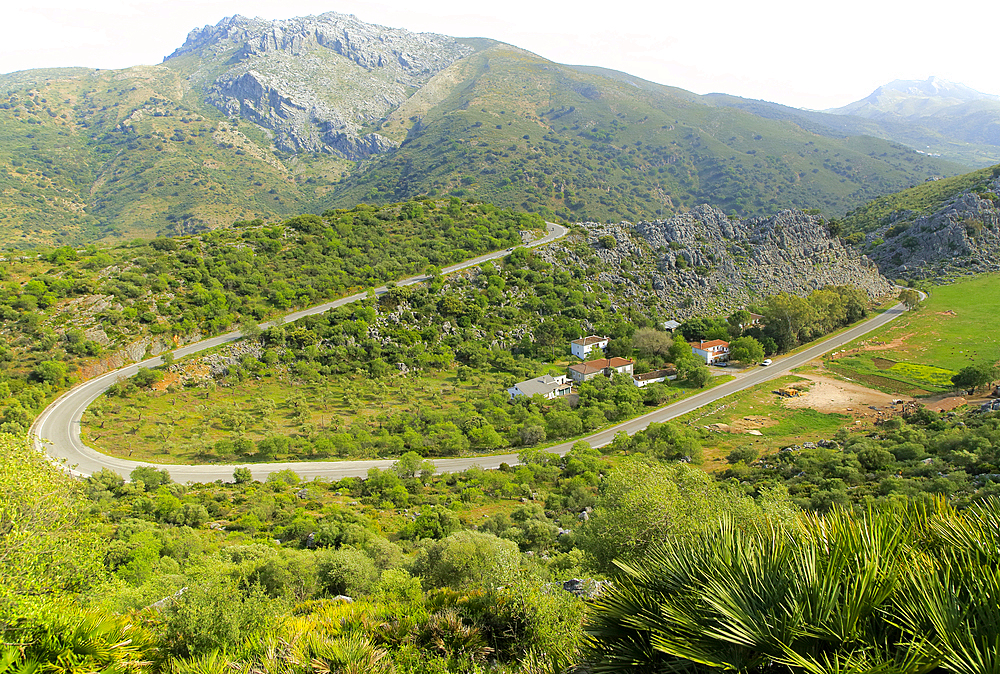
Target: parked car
[(766, 361)]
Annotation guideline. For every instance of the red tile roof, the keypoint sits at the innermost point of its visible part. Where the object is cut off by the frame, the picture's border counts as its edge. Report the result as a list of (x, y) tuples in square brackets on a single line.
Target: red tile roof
[(706, 346), (600, 365)]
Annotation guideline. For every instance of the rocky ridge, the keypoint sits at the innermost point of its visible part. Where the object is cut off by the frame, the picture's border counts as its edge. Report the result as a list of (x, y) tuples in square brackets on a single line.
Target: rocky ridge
[(961, 237), (703, 262), (319, 82)]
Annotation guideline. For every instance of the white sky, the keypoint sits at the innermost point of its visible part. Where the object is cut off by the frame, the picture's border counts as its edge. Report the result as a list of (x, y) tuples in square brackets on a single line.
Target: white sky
[(800, 53)]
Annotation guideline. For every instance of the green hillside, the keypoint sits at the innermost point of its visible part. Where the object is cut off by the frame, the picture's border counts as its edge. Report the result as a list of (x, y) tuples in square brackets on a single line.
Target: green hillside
[(919, 200), (101, 156), (521, 131)]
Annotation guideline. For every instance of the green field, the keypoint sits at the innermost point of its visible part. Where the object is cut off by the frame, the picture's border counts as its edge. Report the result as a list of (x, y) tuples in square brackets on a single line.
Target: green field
[(917, 353)]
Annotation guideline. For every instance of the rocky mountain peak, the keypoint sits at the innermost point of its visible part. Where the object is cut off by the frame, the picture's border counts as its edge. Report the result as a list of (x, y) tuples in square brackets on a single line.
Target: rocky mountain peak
[(368, 45), (317, 81)]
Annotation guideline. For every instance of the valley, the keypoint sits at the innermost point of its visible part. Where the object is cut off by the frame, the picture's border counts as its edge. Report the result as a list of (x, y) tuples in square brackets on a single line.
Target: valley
[(329, 347)]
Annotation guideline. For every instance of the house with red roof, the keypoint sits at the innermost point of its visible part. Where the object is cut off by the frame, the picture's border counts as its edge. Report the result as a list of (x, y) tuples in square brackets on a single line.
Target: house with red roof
[(712, 351), (607, 366)]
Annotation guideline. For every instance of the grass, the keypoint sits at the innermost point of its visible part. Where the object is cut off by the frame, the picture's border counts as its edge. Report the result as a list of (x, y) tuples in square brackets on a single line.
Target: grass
[(779, 426), (918, 352)]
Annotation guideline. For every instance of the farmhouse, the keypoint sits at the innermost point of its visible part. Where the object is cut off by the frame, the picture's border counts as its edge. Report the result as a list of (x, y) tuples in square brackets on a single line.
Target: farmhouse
[(713, 351), (606, 366), (654, 377), (581, 347), (546, 386)]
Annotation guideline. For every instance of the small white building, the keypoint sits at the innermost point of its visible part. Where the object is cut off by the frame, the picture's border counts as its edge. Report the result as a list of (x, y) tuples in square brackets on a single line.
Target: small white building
[(583, 346), (712, 351), (654, 377), (546, 386)]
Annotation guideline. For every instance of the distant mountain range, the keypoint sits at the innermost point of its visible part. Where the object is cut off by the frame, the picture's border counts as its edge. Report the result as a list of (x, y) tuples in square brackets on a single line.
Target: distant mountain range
[(914, 100), (266, 119)]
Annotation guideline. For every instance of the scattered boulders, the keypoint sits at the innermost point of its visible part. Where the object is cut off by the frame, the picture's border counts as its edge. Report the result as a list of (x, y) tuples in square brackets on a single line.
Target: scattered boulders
[(585, 588)]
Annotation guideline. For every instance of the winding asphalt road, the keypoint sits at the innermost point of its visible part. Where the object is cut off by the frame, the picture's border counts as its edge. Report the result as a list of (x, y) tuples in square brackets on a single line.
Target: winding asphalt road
[(56, 431)]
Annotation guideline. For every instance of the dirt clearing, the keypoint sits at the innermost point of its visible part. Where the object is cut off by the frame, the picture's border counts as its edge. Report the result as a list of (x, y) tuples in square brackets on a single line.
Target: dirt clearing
[(829, 395)]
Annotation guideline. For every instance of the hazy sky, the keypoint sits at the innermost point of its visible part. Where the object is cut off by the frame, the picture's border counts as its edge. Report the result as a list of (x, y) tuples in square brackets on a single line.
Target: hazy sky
[(805, 54)]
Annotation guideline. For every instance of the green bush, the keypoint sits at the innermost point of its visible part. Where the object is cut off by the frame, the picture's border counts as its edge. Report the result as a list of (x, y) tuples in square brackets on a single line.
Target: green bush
[(347, 571), (468, 558)]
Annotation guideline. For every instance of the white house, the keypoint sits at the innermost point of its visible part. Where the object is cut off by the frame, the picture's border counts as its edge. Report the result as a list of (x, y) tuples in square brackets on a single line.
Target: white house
[(581, 347), (546, 386), (712, 351), (654, 377)]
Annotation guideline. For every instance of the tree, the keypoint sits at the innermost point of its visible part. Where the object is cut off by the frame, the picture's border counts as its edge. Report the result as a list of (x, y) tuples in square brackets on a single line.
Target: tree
[(738, 320), (50, 372), (549, 334), (746, 350), (974, 377), (469, 558), (644, 503), (146, 377), (412, 464), (242, 475), (680, 350), (150, 477), (347, 571), (531, 434), (910, 298), (698, 376), (47, 541), (652, 342)]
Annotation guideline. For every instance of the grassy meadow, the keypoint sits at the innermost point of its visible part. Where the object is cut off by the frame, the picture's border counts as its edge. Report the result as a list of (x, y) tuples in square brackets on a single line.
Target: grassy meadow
[(919, 352)]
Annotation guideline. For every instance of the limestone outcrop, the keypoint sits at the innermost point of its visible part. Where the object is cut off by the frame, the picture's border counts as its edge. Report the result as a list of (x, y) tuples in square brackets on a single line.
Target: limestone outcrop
[(703, 262), (961, 237), (319, 83)]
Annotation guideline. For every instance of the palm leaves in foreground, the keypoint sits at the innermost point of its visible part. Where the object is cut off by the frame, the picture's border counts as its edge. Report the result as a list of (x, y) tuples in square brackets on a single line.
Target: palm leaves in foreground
[(87, 643), (900, 591)]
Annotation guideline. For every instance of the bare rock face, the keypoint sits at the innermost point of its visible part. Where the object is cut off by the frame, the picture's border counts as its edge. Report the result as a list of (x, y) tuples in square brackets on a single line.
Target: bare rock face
[(703, 262), (319, 83), (961, 237)]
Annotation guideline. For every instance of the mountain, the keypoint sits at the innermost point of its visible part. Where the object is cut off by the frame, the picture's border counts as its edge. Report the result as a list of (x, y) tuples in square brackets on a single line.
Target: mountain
[(951, 111), (936, 230), (266, 119), (316, 82), (915, 99)]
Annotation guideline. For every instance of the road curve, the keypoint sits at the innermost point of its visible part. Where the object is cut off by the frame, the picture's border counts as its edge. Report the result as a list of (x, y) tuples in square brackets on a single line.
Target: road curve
[(56, 431), (57, 428)]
